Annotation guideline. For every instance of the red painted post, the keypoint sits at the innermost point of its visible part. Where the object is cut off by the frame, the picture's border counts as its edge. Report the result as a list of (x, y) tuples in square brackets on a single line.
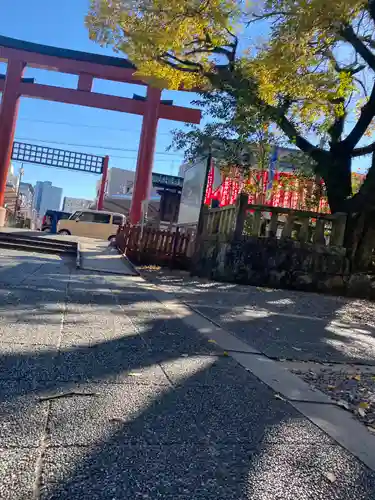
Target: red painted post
[(85, 82), (103, 184), (142, 183), (8, 119)]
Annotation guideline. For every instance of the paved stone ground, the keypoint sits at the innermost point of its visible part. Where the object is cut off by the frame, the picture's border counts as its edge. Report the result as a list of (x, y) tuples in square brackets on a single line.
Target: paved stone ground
[(283, 324), (104, 394)]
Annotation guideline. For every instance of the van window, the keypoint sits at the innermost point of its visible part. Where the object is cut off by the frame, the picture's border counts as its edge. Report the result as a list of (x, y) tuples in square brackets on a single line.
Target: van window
[(75, 216), (86, 217), (102, 218), (118, 220)]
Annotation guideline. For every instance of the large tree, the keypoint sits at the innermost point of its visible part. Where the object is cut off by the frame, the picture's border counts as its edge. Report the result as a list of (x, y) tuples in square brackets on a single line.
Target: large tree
[(312, 76)]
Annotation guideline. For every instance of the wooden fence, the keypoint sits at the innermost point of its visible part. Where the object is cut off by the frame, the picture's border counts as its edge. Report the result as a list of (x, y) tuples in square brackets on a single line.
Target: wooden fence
[(242, 219), (155, 246)]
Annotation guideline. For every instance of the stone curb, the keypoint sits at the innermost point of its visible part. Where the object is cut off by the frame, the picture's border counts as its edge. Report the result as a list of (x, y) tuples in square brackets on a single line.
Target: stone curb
[(128, 262), (339, 424), (79, 256)]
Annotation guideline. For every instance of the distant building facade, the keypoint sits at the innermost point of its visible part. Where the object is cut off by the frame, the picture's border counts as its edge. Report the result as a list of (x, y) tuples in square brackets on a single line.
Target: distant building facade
[(11, 188), (46, 197), (74, 204), (26, 199), (120, 184)]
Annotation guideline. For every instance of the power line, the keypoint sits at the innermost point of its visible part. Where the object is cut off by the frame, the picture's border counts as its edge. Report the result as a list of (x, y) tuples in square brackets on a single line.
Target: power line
[(107, 148), (86, 125)]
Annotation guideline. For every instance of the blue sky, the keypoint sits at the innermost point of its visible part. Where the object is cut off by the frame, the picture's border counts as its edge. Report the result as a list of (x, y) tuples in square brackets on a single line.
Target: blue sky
[(61, 24)]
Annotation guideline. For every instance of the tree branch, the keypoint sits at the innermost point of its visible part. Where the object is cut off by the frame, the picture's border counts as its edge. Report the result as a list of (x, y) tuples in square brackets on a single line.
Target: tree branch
[(292, 133), (365, 150), (371, 9), (352, 69), (337, 129), (233, 83), (366, 117), (180, 65), (361, 84), (350, 36), (268, 15), (166, 56), (368, 40)]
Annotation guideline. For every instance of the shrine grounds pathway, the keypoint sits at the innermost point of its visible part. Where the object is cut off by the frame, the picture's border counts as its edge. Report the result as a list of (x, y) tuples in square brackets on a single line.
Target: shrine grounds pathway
[(113, 388)]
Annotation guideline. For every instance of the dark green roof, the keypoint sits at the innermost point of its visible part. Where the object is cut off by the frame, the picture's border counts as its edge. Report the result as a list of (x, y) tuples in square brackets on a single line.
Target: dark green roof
[(77, 55)]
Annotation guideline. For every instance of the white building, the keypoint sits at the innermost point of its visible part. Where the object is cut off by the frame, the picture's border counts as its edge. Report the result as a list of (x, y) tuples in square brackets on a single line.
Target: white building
[(46, 197), (73, 204), (120, 184), (12, 178), (26, 198)]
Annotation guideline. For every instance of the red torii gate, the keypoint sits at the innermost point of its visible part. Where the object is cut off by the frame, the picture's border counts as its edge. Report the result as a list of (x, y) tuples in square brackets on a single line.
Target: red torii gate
[(20, 54)]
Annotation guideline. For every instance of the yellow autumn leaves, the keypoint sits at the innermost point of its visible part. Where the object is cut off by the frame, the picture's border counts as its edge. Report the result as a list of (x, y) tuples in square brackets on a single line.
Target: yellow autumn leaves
[(147, 30), (297, 60)]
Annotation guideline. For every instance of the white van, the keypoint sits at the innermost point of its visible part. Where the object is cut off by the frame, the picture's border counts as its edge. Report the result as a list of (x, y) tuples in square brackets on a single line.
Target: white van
[(92, 224)]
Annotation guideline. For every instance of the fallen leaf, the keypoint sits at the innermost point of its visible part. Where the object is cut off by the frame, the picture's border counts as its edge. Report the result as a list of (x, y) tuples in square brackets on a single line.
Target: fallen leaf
[(212, 341), (343, 404), (364, 405), (296, 348), (357, 377), (225, 353), (331, 387), (330, 476), (361, 412), (277, 396)]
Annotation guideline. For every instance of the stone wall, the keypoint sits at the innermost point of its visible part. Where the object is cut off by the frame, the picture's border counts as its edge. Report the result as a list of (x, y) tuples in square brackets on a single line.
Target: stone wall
[(281, 263)]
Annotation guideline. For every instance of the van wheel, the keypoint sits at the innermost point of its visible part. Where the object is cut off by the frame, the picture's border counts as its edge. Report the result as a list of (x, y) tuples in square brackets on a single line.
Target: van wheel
[(64, 232), (112, 240)]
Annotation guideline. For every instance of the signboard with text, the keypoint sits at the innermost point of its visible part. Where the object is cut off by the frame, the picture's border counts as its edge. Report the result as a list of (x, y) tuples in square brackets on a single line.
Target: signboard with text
[(192, 193)]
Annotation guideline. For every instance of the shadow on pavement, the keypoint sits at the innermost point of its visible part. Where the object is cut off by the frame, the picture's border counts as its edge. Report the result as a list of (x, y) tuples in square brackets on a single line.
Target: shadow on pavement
[(283, 324), (126, 401)]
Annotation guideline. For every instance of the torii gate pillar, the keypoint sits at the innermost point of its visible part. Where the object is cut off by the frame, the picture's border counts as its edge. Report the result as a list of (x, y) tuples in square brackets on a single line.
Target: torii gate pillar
[(8, 119), (143, 174)]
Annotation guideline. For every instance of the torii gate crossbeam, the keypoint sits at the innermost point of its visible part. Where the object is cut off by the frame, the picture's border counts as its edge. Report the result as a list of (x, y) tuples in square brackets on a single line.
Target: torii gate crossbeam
[(19, 55)]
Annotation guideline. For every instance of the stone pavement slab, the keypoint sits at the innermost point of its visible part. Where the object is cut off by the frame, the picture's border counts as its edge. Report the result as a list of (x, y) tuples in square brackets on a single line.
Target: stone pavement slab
[(282, 324), (27, 362), (131, 402), (17, 473), (22, 416), (203, 472), (98, 255)]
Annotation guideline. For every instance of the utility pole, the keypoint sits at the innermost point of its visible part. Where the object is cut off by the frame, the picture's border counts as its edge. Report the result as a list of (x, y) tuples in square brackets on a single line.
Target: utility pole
[(20, 175)]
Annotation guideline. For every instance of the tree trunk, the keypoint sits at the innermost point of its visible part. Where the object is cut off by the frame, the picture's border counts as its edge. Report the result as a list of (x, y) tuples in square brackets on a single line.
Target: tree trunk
[(360, 240), (337, 179), (360, 209)]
